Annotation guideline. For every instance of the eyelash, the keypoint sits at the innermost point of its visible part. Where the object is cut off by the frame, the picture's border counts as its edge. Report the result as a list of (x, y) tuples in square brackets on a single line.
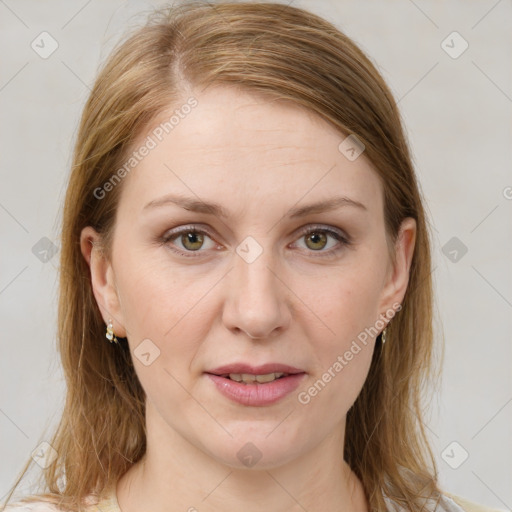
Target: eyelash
[(345, 240)]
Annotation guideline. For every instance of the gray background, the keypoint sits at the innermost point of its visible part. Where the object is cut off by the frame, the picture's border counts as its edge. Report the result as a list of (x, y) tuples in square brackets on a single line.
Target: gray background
[(458, 115)]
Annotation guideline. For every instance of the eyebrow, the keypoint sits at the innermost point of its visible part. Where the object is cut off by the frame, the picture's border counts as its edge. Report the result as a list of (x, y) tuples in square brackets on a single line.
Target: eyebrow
[(213, 208)]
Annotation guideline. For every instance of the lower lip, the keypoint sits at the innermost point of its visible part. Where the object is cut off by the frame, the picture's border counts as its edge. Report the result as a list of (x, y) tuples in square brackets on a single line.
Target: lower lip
[(257, 395)]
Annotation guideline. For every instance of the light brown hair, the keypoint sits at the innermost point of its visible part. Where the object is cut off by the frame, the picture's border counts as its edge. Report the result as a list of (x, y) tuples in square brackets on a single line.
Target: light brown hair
[(286, 54)]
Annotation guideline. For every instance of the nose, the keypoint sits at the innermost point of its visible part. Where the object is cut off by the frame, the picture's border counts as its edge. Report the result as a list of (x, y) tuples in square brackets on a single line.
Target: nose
[(257, 299)]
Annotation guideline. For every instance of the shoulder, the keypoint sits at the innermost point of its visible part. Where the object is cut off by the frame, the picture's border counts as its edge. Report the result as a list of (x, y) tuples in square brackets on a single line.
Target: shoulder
[(36, 503), (466, 505), (32, 506)]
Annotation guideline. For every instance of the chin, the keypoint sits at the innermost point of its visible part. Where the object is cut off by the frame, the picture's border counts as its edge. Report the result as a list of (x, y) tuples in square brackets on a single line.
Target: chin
[(256, 451)]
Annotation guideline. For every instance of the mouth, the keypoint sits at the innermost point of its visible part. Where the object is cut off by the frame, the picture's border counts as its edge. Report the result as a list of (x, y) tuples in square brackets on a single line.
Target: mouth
[(249, 378), (243, 372), (256, 386)]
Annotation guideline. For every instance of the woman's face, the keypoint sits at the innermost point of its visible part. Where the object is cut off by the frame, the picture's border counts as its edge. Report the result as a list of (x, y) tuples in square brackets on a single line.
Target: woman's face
[(251, 292)]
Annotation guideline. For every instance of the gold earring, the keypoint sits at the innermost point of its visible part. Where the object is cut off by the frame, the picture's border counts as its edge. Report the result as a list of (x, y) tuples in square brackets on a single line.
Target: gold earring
[(383, 337), (110, 332)]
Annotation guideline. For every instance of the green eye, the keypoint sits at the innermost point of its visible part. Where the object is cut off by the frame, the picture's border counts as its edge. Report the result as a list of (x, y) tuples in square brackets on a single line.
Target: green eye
[(189, 240), (318, 240), (192, 240)]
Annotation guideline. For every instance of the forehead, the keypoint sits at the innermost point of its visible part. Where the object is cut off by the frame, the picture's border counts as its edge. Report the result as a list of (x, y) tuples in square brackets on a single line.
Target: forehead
[(238, 142)]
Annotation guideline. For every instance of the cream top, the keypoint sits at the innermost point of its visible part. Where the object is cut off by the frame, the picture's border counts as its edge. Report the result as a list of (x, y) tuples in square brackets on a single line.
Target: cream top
[(450, 503)]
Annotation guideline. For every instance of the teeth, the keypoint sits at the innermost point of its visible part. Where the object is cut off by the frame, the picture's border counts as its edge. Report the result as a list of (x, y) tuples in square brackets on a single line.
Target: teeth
[(248, 378), (269, 377)]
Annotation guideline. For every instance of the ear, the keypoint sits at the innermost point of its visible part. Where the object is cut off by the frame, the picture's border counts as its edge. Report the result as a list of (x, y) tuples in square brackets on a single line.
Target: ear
[(398, 274), (102, 280)]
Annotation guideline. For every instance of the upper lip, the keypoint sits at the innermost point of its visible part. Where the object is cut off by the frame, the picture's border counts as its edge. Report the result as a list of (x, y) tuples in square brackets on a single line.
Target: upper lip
[(264, 369)]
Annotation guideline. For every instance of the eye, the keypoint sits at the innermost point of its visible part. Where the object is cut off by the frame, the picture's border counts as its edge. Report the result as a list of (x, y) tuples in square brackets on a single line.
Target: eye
[(191, 238), (317, 239)]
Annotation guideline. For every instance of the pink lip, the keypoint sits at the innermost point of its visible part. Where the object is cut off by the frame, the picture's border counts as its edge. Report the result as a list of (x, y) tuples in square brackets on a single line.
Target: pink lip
[(256, 395)]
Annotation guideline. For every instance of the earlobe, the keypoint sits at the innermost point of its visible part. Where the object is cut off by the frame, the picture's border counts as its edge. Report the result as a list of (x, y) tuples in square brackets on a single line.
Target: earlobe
[(102, 279)]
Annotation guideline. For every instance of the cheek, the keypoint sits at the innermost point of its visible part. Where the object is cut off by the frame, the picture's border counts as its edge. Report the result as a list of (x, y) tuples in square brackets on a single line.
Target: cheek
[(341, 367), (152, 293), (347, 307), (346, 302), (169, 307), (345, 378)]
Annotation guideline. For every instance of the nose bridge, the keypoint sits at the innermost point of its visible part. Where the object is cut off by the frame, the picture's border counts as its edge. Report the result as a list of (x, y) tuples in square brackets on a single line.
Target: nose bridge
[(255, 277), (256, 302)]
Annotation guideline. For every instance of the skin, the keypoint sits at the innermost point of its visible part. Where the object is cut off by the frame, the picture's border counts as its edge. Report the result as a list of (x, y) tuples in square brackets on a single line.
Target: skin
[(291, 305)]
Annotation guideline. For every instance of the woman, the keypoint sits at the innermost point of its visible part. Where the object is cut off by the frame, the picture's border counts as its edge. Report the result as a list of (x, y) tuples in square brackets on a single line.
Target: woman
[(245, 316)]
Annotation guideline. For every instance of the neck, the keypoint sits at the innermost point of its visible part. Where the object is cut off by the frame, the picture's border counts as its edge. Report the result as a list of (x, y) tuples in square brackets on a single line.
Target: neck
[(176, 476)]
